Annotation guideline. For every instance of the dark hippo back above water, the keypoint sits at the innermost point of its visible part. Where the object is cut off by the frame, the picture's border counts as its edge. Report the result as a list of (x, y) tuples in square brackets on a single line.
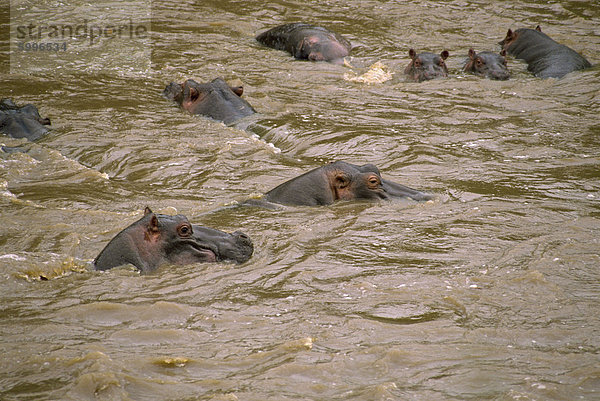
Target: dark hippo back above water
[(545, 57), (213, 99), (487, 64), (340, 181), (307, 42), (158, 239), (22, 122), (425, 66)]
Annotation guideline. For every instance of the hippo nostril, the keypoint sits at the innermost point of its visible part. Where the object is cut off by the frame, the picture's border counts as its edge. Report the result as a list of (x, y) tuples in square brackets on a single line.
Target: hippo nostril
[(242, 238)]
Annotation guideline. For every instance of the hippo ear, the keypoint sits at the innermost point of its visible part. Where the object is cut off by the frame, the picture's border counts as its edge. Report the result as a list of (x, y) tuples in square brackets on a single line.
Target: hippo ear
[(153, 224), (238, 90), (472, 53), (194, 94), (444, 54), (509, 34), (44, 121), (147, 210), (412, 54), (538, 28), (341, 180)]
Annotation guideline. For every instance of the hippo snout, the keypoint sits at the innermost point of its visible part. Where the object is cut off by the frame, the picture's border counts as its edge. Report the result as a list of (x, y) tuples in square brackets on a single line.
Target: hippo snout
[(244, 246), (242, 239), (499, 75), (174, 92)]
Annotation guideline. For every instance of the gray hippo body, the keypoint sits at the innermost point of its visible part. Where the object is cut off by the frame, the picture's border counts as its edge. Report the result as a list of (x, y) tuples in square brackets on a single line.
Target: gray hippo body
[(545, 57)]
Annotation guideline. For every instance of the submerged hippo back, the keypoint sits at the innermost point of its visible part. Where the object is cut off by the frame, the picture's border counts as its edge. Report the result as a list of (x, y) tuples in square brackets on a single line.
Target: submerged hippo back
[(306, 42), (22, 122)]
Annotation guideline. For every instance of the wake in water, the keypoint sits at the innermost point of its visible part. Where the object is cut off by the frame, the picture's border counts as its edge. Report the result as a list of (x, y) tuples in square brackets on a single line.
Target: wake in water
[(377, 73)]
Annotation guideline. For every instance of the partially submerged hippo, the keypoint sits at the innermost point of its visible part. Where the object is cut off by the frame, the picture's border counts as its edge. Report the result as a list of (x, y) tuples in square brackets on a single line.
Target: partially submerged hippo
[(213, 99), (158, 239), (545, 58), (488, 65), (425, 66), (307, 42), (340, 181), (22, 122)]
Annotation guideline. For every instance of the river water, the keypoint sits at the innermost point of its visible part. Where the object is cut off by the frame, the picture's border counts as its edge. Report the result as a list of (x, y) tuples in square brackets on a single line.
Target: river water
[(490, 292)]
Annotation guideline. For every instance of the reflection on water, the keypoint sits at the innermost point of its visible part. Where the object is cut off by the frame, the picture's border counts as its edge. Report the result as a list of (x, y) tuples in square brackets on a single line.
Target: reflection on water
[(488, 292)]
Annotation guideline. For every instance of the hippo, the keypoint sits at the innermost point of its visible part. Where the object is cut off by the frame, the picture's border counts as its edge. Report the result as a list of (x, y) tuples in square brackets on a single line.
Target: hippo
[(340, 181), (158, 239), (545, 58), (22, 122), (306, 42), (488, 65), (425, 66), (214, 99)]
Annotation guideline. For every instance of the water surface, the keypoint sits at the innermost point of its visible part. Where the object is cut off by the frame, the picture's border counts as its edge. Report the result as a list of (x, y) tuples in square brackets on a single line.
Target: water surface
[(490, 292)]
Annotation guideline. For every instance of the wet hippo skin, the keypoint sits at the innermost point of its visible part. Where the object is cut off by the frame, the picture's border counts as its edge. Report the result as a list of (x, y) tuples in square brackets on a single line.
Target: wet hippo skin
[(22, 122), (425, 66), (545, 57), (214, 99), (488, 65), (306, 42), (158, 239), (340, 181)]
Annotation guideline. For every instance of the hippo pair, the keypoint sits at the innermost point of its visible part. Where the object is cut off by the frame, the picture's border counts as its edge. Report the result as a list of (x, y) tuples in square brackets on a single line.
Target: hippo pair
[(425, 66), (158, 239)]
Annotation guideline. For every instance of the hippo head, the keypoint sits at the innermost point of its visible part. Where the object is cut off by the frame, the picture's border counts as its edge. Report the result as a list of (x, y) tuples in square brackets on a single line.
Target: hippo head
[(349, 181), (488, 64), (425, 66), (509, 43), (213, 99), (508, 39), (158, 239), (340, 181)]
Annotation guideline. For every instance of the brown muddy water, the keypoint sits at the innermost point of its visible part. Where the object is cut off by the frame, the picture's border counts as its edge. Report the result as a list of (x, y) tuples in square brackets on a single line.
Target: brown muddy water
[(490, 292)]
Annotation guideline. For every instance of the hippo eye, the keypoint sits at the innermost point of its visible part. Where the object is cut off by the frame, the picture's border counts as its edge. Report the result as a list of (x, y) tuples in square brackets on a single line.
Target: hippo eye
[(417, 63), (185, 230), (479, 62), (373, 181)]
